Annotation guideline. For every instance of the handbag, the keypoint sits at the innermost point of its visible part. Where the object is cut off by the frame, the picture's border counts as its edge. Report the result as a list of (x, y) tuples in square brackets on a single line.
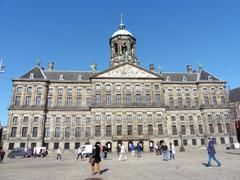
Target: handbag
[(92, 160)]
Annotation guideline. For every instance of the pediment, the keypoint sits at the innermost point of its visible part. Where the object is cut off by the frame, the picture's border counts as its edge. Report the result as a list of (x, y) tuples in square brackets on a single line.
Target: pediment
[(127, 71)]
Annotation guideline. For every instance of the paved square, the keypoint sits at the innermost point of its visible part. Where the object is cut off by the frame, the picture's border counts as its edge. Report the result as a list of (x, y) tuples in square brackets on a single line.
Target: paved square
[(188, 165)]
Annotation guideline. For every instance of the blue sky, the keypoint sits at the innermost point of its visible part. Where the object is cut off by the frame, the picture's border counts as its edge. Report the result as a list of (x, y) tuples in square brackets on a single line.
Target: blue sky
[(74, 34)]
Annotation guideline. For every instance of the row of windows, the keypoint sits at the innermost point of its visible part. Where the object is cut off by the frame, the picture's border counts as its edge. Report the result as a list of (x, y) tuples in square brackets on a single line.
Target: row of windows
[(28, 101), (26, 119), (60, 91), (188, 102), (29, 89), (195, 91), (127, 87), (24, 132)]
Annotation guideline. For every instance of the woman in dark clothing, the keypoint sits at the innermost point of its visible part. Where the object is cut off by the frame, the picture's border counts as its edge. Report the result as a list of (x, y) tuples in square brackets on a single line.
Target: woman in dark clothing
[(97, 160)]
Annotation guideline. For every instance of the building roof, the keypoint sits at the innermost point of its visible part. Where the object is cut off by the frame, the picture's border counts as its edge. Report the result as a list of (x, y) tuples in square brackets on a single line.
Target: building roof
[(36, 71), (180, 76), (234, 95)]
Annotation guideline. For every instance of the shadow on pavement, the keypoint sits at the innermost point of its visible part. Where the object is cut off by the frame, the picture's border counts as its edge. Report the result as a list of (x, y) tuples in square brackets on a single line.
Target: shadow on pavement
[(205, 164), (93, 179), (233, 153), (103, 171)]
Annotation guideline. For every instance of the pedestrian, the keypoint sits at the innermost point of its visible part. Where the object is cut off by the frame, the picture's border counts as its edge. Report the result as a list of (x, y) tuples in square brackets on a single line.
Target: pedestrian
[(118, 149), (122, 153), (79, 152), (105, 151), (95, 160), (172, 151), (156, 149), (212, 153), (59, 153), (164, 150), (132, 149), (139, 150), (2, 154)]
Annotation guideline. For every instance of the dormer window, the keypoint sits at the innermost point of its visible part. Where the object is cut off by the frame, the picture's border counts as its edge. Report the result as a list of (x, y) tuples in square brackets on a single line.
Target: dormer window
[(31, 76), (184, 79), (80, 77), (61, 77), (168, 78), (209, 78)]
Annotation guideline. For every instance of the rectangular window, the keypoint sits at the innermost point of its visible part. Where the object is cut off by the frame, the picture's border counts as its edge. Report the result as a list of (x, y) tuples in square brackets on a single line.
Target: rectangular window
[(211, 129), (160, 129), (194, 142), (140, 129), (174, 130), (138, 99), (190, 118), (108, 130), (182, 118), (108, 117), (98, 99), (214, 99), (38, 101), (35, 132), (98, 118), (150, 129), (78, 120), (128, 98), (10, 146), (171, 102), (66, 145), (206, 101), (139, 117), (228, 128), (185, 142), (222, 140), (129, 129), (149, 117), (200, 129), (118, 87), (118, 98), (77, 132), (58, 120), (220, 128), (59, 101), (57, 132), (24, 131), (69, 91), (158, 99), (89, 102), (159, 116), (192, 131), (67, 132), (180, 104), (188, 102), (128, 87), (19, 89), (50, 91), (22, 145), (108, 99), (49, 102), (98, 86), (119, 117), (173, 118), (157, 87), (183, 129), (79, 91), (148, 99), (78, 102), (108, 87), (196, 102), (69, 101), (129, 117), (138, 87), (119, 130), (68, 120), (89, 91), (203, 142), (97, 131), (17, 100), (209, 117), (36, 119), (88, 120), (77, 145), (47, 132), (28, 101), (60, 90), (25, 119)]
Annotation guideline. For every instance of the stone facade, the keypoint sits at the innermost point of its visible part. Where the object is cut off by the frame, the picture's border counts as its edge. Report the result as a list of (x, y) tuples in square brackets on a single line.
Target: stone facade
[(125, 103)]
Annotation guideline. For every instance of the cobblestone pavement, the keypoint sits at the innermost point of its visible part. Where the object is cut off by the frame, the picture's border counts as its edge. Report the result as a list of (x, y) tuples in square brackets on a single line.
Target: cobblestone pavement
[(188, 165)]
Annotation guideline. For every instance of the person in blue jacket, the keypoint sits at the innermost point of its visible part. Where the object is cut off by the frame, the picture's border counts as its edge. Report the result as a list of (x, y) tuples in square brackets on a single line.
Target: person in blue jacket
[(211, 153)]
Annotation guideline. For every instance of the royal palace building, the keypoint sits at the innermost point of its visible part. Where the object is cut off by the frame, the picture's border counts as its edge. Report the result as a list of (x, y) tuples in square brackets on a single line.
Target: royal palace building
[(124, 103)]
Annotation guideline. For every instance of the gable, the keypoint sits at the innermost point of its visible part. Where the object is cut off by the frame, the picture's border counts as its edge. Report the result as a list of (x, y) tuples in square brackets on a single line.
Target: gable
[(126, 71)]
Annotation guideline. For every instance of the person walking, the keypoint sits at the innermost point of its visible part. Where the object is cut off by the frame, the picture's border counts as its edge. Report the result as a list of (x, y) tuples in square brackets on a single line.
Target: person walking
[(95, 160), (105, 151), (122, 153), (132, 149), (164, 150), (118, 149), (172, 151), (79, 152), (59, 153), (2, 154), (211, 153)]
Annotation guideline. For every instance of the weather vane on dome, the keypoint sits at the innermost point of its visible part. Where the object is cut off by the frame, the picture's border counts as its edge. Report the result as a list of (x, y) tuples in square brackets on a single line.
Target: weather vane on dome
[(121, 26), (2, 67)]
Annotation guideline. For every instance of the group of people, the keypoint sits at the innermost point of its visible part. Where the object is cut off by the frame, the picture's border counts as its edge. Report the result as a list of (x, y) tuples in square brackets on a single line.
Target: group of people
[(163, 149), (121, 151)]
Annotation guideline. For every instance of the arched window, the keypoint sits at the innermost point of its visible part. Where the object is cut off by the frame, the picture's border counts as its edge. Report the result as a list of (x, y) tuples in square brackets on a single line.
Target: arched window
[(115, 47)]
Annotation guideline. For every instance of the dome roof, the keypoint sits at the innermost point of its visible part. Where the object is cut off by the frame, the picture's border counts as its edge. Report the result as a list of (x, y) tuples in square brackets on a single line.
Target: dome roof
[(121, 32)]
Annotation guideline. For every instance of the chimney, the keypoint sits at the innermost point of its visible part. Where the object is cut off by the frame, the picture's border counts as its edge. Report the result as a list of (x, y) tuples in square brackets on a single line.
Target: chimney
[(151, 68), (50, 66), (189, 69)]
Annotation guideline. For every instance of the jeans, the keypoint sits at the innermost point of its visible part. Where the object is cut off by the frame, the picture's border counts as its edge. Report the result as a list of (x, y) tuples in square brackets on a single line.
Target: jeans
[(172, 156), (59, 156), (212, 156), (164, 154), (80, 154)]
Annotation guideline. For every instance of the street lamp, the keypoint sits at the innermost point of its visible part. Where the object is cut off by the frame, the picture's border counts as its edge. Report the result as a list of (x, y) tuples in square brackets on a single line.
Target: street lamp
[(28, 137), (182, 149)]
